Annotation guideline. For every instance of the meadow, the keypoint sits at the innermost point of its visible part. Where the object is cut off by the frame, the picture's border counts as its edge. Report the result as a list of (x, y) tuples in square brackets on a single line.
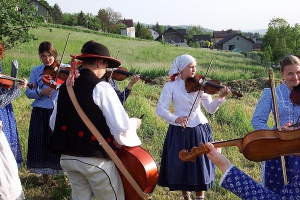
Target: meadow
[(151, 59)]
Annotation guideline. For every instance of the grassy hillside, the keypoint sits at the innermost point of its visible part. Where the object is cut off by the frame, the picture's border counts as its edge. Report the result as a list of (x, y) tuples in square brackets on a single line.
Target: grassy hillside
[(151, 59)]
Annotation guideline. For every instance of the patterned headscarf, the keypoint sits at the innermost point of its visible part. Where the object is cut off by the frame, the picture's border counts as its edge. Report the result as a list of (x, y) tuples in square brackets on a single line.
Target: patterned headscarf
[(179, 64)]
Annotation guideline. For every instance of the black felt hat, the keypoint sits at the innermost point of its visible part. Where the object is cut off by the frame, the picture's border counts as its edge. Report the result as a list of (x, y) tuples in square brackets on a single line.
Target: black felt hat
[(92, 49)]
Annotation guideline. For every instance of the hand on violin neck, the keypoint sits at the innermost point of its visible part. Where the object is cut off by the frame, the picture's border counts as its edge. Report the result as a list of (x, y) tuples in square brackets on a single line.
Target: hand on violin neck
[(134, 79), (224, 92), (22, 84), (218, 158)]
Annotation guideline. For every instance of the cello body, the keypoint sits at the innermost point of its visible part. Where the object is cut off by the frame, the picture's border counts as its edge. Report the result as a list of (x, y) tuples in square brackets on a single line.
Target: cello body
[(141, 167)]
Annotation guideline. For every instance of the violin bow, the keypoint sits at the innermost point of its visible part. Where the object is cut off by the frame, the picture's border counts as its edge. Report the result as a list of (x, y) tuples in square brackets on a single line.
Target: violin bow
[(201, 86), (63, 53), (276, 116), (112, 70)]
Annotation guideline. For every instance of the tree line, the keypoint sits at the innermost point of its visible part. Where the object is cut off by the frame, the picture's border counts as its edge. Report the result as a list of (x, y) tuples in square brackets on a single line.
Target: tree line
[(280, 39)]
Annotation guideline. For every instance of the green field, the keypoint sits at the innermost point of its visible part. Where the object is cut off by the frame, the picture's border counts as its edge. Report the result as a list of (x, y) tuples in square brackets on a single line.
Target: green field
[(151, 59)]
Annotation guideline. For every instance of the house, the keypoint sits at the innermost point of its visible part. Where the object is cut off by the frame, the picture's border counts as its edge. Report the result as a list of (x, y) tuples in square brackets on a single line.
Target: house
[(257, 43), (153, 33), (42, 10), (202, 39), (174, 36), (220, 35), (129, 30), (235, 41)]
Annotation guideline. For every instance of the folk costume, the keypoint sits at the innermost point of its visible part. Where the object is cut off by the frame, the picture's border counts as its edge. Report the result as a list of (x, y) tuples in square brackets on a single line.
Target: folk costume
[(39, 159), (10, 184), (122, 95), (8, 120), (246, 188), (90, 171), (175, 174), (272, 175)]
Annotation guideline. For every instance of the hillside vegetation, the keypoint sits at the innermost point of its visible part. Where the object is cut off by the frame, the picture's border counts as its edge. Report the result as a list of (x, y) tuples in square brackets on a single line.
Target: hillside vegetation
[(151, 59)]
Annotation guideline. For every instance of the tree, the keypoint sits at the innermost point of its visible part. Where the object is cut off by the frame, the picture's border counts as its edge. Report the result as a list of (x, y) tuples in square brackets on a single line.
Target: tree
[(56, 14), (158, 28), (279, 39), (104, 20), (109, 20), (15, 25), (69, 19), (81, 21)]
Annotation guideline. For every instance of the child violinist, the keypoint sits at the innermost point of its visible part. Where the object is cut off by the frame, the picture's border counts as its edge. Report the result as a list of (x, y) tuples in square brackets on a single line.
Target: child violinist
[(186, 131), (39, 159)]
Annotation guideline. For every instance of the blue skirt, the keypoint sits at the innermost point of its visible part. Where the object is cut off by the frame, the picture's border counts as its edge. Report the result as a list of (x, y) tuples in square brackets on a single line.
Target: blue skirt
[(186, 176), (39, 159), (11, 132)]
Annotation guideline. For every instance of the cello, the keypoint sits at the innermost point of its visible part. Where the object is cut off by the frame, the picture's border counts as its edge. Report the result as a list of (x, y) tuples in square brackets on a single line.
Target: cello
[(142, 167)]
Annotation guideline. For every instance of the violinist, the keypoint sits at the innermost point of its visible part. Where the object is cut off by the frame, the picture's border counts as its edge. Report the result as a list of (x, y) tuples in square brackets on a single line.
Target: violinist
[(186, 131), (39, 159), (7, 115), (245, 187), (288, 114), (122, 95)]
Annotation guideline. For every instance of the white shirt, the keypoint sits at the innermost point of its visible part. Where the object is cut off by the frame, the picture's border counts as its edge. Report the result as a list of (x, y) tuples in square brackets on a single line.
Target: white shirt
[(10, 184), (121, 126), (176, 93)]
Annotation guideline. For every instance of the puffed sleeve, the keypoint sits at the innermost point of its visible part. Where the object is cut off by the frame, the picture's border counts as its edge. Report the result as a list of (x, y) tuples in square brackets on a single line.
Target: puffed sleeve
[(261, 113), (162, 109), (123, 128)]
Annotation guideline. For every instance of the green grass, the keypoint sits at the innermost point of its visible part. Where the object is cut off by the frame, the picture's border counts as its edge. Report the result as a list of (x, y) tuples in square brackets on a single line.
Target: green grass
[(151, 59)]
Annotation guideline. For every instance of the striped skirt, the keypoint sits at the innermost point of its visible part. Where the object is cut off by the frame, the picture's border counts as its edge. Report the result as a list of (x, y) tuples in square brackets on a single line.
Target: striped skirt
[(39, 159)]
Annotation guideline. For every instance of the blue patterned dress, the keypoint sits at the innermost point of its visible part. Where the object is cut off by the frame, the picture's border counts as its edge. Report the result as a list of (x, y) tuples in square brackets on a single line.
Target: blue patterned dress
[(8, 120), (272, 176), (246, 188)]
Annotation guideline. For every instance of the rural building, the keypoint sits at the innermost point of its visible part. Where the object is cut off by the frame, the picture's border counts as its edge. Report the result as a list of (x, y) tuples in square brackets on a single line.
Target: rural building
[(235, 41), (130, 29), (153, 33), (174, 36), (220, 35), (202, 39), (257, 43), (42, 10)]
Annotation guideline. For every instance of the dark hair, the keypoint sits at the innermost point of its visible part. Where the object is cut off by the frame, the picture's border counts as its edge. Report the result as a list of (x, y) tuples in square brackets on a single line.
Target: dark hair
[(289, 60), (48, 47)]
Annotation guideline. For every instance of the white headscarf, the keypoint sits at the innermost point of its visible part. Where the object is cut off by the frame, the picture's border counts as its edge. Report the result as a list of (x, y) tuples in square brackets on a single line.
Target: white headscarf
[(180, 63)]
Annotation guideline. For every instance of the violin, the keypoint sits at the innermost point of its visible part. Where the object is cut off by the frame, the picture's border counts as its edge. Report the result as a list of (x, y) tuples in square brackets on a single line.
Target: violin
[(8, 82), (256, 146), (193, 84), (55, 75), (121, 73), (295, 95)]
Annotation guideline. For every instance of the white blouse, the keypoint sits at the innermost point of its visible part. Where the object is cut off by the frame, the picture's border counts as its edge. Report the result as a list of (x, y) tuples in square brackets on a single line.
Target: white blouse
[(182, 101)]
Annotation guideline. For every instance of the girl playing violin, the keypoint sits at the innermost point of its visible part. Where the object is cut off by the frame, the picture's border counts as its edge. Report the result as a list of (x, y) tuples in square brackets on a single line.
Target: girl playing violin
[(39, 159), (186, 132), (288, 113), (8, 118)]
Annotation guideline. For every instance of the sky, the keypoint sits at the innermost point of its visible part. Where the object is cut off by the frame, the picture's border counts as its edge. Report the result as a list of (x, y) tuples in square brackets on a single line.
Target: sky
[(211, 14)]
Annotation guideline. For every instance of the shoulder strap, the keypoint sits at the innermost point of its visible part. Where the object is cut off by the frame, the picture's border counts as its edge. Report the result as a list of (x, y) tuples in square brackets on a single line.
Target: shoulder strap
[(104, 144)]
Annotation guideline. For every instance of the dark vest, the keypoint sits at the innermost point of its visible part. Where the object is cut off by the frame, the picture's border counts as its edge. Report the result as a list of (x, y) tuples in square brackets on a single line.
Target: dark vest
[(71, 136)]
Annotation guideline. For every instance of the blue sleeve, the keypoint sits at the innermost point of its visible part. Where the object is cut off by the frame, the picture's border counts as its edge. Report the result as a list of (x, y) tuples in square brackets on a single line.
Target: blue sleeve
[(122, 95), (7, 96), (262, 111), (245, 187), (35, 78)]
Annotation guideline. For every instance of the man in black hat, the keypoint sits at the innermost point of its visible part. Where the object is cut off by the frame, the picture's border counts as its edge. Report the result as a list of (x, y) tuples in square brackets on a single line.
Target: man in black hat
[(91, 173)]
